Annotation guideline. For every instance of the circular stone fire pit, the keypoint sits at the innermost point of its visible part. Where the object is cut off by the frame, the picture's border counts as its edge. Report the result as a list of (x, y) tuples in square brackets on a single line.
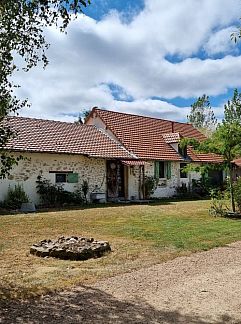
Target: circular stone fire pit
[(71, 248)]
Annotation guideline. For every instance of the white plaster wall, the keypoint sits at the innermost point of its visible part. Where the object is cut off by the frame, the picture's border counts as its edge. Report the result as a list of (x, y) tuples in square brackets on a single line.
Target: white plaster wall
[(90, 169), (167, 187), (133, 182)]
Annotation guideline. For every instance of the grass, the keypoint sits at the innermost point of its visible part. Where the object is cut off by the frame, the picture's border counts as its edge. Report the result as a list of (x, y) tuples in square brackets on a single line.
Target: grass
[(140, 235)]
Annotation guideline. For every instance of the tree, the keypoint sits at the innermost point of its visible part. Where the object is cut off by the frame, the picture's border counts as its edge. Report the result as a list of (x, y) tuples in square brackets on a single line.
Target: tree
[(83, 115), (226, 139), (202, 116), (22, 25)]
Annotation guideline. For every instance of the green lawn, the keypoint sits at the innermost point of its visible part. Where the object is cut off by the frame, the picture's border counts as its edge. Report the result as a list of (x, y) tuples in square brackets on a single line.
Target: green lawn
[(140, 235)]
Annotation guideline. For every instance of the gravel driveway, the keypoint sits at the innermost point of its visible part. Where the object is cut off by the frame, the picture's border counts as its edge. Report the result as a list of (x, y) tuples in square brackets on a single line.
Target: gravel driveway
[(203, 288)]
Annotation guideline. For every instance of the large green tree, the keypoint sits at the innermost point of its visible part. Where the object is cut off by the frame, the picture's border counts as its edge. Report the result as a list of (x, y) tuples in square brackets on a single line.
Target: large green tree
[(22, 25), (202, 116), (226, 139)]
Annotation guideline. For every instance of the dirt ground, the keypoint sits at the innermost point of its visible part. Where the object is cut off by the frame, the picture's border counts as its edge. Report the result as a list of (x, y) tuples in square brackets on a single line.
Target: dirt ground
[(203, 288)]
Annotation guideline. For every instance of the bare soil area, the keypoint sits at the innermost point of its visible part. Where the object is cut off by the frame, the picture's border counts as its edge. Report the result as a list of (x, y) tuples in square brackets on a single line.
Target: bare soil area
[(202, 288)]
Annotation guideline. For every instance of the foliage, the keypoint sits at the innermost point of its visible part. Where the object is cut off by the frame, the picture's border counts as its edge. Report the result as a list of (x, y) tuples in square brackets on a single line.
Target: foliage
[(83, 115), (202, 186), (225, 140), (150, 185), (202, 115), (50, 194), (15, 197), (22, 26), (54, 194), (85, 189), (182, 190), (218, 203), (237, 193)]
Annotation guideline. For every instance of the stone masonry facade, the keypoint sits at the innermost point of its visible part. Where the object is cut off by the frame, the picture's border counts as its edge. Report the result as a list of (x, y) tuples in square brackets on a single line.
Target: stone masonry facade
[(92, 170)]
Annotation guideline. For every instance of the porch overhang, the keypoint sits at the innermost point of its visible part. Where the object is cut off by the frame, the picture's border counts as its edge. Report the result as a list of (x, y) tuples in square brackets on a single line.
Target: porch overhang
[(133, 162)]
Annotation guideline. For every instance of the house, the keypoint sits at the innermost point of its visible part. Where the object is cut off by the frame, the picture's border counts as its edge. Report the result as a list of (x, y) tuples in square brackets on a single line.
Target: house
[(237, 168), (156, 143), (113, 151), (64, 153)]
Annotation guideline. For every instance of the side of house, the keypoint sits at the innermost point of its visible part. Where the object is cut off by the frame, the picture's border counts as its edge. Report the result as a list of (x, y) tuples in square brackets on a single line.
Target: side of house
[(156, 142), (66, 154), (237, 168), (66, 170)]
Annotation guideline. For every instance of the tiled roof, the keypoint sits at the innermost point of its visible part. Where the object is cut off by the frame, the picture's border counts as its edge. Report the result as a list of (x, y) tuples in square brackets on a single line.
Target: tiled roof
[(140, 135), (237, 162), (38, 135), (203, 157), (134, 162), (146, 137)]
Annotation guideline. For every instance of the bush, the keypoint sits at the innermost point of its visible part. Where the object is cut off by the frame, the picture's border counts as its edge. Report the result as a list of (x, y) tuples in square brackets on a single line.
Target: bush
[(55, 195), (182, 191), (150, 185), (50, 194), (218, 203), (85, 189), (15, 197), (201, 187)]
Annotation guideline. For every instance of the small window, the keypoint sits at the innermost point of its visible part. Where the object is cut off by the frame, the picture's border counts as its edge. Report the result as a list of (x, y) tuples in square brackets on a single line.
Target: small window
[(65, 176), (183, 174), (60, 177), (162, 170), (182, 151)]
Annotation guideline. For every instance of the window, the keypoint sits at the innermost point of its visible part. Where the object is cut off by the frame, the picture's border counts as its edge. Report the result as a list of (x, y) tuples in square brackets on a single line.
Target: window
[(60, 177), (182, 151), (162, 170), (183, 174), (65, 176)]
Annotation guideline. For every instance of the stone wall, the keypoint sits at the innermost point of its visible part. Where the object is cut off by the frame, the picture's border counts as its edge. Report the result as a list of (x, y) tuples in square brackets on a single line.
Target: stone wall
[(90, 169)]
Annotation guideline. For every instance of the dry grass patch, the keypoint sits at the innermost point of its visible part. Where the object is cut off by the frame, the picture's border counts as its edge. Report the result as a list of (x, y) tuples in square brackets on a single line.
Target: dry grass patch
[(139, 235)]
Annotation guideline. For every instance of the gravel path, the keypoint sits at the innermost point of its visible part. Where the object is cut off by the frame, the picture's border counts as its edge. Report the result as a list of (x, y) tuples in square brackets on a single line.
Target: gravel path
[(203, 288)]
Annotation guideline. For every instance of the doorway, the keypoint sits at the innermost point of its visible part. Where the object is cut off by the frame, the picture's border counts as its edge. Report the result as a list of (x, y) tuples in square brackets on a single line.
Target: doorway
[(115, 180)]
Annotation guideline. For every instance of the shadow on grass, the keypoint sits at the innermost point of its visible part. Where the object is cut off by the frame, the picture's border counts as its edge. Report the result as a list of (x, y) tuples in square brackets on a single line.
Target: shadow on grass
[(89, 305)]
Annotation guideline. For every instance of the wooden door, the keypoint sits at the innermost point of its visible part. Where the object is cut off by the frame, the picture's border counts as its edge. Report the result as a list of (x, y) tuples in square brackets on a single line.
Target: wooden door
[(115, 179)]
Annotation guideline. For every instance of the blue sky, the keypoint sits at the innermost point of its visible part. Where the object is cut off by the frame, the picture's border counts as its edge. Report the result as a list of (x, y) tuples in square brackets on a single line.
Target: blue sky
[(149, 57)]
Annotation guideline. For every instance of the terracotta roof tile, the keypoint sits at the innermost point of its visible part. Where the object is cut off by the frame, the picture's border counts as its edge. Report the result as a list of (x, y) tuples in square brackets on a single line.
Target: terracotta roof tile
[(38, 135), (237, 162), (146, 137)]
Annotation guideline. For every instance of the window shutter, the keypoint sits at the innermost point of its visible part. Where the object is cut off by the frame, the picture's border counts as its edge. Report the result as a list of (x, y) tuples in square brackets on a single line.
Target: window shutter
[(72, 177), (156, 169), (169, 170)]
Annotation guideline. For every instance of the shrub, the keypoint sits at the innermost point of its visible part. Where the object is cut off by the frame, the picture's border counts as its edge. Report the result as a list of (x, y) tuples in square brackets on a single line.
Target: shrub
[(15, 197), (49, 193), (55, 195), (85, 189), (182, 191), (201, 187), (218, 203), (150, 185)]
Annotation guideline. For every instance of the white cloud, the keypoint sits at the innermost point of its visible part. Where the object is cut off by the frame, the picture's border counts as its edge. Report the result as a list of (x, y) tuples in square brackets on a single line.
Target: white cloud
[(220, 42), (134, 57)]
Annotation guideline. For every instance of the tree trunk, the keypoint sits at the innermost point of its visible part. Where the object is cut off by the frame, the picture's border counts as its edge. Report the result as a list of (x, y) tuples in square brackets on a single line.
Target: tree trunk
[(231, 188)]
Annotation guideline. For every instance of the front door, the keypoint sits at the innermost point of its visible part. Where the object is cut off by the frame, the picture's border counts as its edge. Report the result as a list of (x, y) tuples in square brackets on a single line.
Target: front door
[(115, 179)]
